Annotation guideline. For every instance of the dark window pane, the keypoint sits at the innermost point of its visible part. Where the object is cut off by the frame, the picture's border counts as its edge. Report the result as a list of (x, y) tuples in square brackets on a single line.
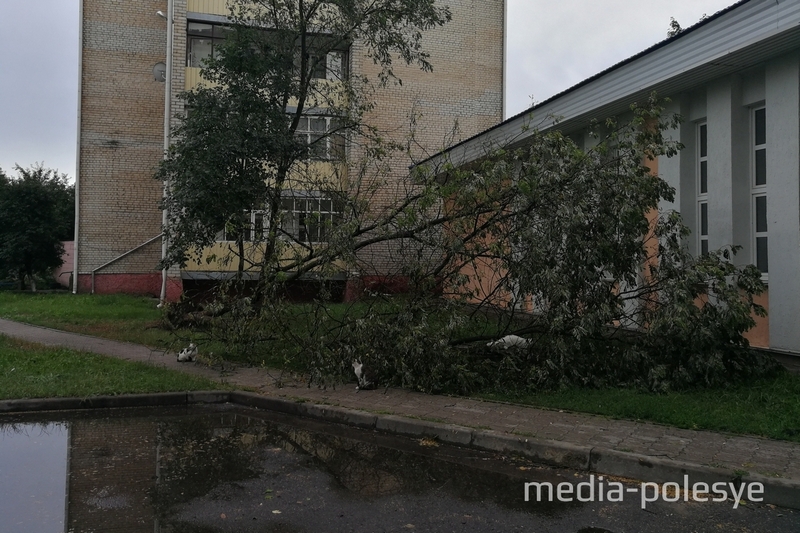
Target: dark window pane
[(704, 247), (199, 50), (704, 219), (761, 214), (761, 126), (202, 30), (336, 65), (318, 147), (318, 125), (761, 167), (703, 140), (258, 227), (221, 32), (703, 177), (337, 146), (320, 68), (302, 223), (761, 254)]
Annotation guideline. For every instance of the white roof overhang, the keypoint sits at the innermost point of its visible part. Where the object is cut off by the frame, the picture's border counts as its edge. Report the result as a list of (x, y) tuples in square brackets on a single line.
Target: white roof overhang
[(742, 36)]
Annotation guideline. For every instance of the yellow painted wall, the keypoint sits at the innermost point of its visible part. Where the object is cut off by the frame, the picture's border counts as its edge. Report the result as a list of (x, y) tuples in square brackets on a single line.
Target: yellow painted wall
[(328, 95), (213, 7), (193, 78), (221, 257)]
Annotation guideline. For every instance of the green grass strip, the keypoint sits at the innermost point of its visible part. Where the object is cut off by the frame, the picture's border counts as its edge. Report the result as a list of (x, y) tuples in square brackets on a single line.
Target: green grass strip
[(115, 316), (768, 407), (34, 371)]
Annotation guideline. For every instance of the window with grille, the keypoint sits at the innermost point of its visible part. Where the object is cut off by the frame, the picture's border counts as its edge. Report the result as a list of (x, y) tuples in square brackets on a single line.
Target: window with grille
[(322, 136), (309, 219)]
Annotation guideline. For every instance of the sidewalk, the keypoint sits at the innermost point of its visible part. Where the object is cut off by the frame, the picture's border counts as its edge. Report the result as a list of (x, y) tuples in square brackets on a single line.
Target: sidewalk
[(773, 459)]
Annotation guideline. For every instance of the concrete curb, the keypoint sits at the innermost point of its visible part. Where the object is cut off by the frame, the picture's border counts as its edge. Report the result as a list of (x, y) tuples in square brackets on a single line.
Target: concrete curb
[(161, 399), (781, 492)]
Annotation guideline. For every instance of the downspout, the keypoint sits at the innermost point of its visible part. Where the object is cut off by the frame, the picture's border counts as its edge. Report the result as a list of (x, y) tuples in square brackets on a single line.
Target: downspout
[(505, 59), (167, 111), (78, 153)]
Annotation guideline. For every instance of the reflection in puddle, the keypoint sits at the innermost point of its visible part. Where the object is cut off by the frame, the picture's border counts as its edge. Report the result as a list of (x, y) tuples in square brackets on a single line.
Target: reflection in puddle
[(33, 477), (223, 468), (227, 469), (237, 473)]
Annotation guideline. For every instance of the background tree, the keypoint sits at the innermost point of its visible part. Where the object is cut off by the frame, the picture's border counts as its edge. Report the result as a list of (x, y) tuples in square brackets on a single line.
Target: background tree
[(37, 213)]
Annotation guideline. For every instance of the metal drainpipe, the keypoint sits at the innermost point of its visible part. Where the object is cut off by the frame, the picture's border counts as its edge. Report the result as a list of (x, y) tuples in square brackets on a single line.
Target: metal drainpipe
[(78, 154), (167, 111)]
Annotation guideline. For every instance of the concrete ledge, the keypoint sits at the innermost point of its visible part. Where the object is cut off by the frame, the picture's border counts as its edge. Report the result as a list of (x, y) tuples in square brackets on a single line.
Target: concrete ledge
[(549, 452), (341, 415), (781, 492), (411, 427), (94, 402), (208, 397), (110, 402), (658, 469)]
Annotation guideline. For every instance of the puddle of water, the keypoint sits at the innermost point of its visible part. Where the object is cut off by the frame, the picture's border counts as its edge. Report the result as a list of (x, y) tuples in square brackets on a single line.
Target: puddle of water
[(33, 477), (223, 468)]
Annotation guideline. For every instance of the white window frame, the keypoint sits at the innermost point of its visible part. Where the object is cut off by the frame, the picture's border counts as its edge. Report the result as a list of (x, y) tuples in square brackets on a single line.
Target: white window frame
[(758, 191), (258, 224), (702, 195)]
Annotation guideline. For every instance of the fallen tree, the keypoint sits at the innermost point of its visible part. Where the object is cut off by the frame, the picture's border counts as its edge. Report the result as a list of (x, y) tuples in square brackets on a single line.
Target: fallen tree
[(561, 246)]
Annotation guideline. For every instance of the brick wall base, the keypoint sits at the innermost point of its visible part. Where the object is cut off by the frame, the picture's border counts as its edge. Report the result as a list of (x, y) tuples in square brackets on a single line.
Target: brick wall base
[(141, 284)]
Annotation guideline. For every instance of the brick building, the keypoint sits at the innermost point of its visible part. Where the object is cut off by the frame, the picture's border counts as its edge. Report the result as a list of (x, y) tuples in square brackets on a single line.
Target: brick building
[(122, 119)]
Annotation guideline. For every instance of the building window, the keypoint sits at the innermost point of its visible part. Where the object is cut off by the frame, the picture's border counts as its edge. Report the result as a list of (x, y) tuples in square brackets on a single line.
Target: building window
[(203, 39), (760, 233), (253, 230), (309, 218), (321, 135), (332, 66), (702, 188), (202, 42), (759, 189)]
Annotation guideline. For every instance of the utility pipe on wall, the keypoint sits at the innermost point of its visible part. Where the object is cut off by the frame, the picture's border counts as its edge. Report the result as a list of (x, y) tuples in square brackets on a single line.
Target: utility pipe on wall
[(167, 110)]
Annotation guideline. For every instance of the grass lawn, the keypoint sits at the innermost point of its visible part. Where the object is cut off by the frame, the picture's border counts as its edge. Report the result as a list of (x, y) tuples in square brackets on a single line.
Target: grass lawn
[(34, 371), (118, 317), (769, 408)]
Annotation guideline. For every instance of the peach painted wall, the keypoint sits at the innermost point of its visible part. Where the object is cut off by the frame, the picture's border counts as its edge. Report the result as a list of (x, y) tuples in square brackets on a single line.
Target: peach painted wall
[(62, 273), (759, 335)]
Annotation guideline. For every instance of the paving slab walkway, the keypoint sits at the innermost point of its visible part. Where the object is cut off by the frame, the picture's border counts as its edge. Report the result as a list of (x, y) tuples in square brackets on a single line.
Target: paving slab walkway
[(767, 457)]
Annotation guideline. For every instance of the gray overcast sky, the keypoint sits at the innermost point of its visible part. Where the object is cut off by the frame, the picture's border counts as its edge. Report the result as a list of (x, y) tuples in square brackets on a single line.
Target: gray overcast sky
[(552, 45)]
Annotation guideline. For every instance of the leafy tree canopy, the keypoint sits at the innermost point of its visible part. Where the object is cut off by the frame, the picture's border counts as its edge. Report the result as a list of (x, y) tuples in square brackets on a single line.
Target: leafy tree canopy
[(37, 213)]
